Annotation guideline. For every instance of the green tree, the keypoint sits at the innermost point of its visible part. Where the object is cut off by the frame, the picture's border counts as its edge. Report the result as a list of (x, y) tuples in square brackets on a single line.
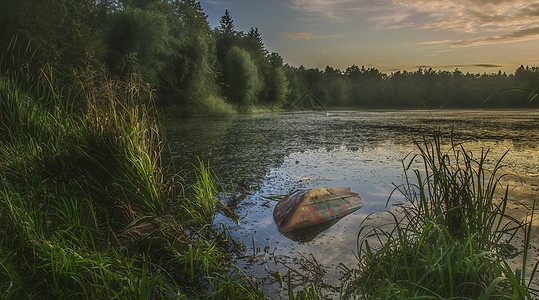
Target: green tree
[(253, 43), (297, 85), (227, 36), (243, 78), (226, 24), (316, 85), (277, 86), (365, 85), (275, 60), (143, 35), (337, 86), (59, 32), (190, 76)]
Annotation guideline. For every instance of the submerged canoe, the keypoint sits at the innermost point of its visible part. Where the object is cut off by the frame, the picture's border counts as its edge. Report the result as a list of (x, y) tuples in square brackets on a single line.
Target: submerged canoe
[(306, 208)]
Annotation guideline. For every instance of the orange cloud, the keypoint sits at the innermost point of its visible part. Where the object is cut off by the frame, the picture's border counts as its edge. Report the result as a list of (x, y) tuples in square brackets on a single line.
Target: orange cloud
[(519, 35), (306, 36), (499, 21)]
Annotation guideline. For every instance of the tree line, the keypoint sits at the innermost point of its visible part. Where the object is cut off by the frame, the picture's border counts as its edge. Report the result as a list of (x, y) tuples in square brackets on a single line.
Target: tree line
[(195, 69), (424, 88)]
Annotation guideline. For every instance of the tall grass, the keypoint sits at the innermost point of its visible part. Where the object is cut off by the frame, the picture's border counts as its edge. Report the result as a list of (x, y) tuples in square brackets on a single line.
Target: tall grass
[(447, 238), (86, 210)]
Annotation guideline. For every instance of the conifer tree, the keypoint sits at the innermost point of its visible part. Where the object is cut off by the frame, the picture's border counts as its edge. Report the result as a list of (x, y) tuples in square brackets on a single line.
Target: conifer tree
[(226, 24), (226, 36)]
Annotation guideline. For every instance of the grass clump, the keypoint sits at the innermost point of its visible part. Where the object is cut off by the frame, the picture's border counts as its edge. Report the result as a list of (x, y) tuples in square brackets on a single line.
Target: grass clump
[(447, 239), (86, 210)]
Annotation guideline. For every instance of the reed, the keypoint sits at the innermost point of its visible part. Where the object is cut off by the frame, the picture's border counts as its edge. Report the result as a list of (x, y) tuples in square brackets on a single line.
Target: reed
[(86, 210), (446, 240)]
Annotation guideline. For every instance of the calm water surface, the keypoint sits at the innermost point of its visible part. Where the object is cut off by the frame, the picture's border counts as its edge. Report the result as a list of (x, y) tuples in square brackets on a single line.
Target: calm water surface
[(278, 153)]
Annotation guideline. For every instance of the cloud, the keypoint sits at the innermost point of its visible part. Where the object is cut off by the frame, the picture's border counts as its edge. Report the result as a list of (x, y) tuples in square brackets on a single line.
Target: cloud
[(435, 42), (486, 66), (520, 35), (498, 21), (306, 36), (214, 2), (335, 10)]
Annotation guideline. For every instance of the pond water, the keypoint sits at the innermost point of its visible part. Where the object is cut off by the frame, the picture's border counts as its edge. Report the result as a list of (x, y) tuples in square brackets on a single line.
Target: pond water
[(275, 154)]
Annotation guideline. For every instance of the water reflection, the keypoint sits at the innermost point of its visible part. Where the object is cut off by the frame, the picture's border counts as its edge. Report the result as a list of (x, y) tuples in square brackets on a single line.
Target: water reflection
[(279, 153), (248, 146), (308, 234)]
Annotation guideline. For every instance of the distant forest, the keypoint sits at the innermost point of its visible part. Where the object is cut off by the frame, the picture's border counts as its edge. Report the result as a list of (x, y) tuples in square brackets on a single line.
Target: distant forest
[(197, 70)]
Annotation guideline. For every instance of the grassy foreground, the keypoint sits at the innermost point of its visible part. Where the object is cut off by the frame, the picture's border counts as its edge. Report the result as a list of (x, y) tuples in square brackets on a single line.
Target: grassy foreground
[(86, 210), (451, 238)]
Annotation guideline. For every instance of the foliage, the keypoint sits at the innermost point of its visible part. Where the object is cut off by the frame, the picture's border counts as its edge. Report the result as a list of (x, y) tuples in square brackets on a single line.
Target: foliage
[(368, 87), (141, 33), (189, 79), (59, 32), (447, 241), (226, 36), (243, 77), (277, 87)]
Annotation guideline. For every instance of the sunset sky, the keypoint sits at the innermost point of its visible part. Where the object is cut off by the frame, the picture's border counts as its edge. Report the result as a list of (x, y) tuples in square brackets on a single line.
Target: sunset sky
[(472, 35)]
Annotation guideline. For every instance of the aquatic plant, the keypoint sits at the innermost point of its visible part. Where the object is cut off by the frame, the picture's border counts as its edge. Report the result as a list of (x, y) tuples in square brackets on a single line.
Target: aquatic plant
[(446, 240)]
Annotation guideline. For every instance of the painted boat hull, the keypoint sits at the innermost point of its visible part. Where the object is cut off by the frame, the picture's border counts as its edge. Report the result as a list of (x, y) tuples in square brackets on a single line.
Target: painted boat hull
[(316, 209)]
